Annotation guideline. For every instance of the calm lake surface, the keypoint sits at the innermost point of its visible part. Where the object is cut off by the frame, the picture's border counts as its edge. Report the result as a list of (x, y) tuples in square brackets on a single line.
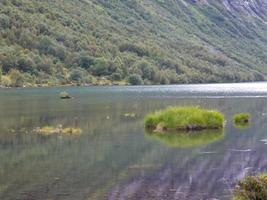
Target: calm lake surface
[(114, 158)]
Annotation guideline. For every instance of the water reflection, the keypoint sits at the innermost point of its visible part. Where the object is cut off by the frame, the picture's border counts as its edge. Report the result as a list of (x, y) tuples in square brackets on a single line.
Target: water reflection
[(242, 125), (113, 158), (187, 139)]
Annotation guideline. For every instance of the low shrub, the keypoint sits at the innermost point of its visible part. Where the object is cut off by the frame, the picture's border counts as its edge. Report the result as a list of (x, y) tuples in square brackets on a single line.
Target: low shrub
[(252, 188), (135, 79)]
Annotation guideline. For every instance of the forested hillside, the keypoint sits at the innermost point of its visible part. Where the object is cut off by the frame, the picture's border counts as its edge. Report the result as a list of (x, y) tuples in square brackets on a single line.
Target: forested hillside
[(59, 42)]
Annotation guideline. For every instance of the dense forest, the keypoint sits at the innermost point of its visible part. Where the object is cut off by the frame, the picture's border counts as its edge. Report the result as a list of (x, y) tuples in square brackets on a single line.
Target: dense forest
[(61, 42)]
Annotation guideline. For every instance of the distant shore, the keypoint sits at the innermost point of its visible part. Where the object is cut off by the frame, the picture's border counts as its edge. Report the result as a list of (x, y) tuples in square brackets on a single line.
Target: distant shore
[(110, 83)]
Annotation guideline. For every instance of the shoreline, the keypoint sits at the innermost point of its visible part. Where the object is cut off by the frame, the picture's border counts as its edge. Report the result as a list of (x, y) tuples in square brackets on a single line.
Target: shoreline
[(123, 84)]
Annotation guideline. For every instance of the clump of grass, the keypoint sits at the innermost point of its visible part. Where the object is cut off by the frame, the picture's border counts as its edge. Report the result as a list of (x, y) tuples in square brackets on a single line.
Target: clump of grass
[(71, 131), (51, 130), (47, 130), (241, 120), (184, 118), (129, 115), (252, 188), (64, 95), (185, 139)]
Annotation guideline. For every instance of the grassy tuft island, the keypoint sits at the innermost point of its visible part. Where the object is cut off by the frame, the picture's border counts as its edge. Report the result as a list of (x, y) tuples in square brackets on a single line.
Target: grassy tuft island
[(252, 187), (241, 118), (184, 119), (51, 130)]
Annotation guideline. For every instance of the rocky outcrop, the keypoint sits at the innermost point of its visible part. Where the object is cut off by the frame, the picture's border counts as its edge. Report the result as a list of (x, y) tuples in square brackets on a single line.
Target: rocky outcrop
[(256, 8)]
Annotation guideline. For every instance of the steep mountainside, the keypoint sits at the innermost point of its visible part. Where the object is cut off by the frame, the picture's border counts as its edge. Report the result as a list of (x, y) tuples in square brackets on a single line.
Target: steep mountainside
[(138, 41)]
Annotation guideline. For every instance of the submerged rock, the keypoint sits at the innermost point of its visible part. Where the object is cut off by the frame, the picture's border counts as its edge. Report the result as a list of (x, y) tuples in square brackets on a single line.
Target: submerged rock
[(64, 95)]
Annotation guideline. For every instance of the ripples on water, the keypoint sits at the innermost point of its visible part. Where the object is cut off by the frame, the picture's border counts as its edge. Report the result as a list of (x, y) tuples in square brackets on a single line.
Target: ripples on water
[(113, 158)]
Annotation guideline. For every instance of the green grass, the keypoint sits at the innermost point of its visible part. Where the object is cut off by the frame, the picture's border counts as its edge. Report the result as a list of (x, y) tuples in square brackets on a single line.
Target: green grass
[(252, 188), (184, 118), (241, 120), (184, 140)]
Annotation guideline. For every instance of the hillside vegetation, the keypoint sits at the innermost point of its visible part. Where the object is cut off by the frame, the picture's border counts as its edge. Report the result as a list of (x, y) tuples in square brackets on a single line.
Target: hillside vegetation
[(132, 41)]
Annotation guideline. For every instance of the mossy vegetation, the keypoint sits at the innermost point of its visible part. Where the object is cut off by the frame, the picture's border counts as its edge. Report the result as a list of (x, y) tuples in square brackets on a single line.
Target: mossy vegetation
[(184, 119), (252, 188), (185, 139), (51, 130), (242, 120)]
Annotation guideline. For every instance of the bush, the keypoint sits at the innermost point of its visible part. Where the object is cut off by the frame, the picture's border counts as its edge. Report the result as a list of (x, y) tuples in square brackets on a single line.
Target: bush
[(163, 79), (4, 21), (25, 64), (252, 188), (135, 79), (116, 76), (148, 71), (8, 61), (6, 81), (140, 51), (80, 75), (77, 75), (100, 67), (1, 74), (184, 118), (46, 45), (16, 78), (83, 60)]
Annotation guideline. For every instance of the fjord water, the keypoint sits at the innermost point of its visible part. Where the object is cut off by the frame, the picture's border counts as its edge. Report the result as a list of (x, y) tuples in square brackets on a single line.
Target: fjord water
[(114, 159)]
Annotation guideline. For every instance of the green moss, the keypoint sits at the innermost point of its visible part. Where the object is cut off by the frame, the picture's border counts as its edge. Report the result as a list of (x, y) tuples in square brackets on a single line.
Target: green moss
[(252, 187), (185, 139), (184, 118), (241, 120)]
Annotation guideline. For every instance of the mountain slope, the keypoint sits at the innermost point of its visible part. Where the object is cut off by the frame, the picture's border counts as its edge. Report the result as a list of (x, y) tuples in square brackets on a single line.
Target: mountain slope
[(149, 41)]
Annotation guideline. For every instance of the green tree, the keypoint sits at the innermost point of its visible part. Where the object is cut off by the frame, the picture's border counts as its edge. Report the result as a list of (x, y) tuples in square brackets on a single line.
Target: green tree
[(4, 21), (25, 64), (100, 67), (84, 60), (135, 79), (148, 71), (116, 76)]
